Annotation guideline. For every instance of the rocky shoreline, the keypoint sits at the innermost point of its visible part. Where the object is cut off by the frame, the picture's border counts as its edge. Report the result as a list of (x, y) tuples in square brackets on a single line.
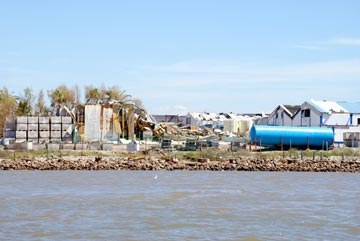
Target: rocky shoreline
[(172, 164)]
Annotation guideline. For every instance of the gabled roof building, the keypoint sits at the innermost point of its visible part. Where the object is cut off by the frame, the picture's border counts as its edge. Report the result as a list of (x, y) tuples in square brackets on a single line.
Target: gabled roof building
[(283, 115), (323, 113)]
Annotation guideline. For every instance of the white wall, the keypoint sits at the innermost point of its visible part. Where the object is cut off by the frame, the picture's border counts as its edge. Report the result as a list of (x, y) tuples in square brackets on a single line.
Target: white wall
[(287, 120), (190, 120), (282, 118), (313, 120), (339, 133), (297, 119), (355, 119), (336, 119)]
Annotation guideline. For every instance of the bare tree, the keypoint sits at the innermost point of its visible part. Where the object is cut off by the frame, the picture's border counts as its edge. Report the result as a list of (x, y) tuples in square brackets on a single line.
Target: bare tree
[(40, 106), (77, 93)]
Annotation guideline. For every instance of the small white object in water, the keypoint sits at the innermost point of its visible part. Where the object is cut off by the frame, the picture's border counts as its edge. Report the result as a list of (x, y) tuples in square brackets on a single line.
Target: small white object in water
[(155, 177)]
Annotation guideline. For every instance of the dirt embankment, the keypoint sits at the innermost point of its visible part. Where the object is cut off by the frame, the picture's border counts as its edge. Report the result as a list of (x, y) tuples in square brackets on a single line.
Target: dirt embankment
[(155, 163)]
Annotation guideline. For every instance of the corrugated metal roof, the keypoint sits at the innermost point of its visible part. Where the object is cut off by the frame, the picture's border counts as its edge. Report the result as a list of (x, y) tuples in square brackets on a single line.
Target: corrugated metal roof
[(292, 109), (352, 107), (325, 106)]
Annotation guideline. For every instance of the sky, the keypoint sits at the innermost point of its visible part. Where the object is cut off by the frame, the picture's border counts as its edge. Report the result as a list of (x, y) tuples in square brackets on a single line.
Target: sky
[(186, 55)]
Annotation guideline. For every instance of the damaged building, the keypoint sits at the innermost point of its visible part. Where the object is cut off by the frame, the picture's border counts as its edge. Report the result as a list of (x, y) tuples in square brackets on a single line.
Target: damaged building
[(102, 123)]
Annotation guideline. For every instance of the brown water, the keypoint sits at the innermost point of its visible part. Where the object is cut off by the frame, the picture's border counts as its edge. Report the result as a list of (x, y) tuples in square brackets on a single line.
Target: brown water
[(126, 205)]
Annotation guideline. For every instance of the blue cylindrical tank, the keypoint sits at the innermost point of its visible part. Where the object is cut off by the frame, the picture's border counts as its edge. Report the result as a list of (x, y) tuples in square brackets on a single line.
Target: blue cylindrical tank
[(291, 136)]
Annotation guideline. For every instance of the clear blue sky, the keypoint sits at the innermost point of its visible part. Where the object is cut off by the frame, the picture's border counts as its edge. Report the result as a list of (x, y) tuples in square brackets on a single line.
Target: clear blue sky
[(187, 55)]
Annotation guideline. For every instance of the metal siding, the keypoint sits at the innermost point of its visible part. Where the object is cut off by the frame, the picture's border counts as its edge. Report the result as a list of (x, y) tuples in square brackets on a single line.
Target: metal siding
[(92, 123), (108, 130)]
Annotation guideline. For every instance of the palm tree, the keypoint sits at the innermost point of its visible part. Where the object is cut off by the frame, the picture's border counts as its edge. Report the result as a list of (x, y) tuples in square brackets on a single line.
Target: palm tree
[(61, 96), (92, 95)]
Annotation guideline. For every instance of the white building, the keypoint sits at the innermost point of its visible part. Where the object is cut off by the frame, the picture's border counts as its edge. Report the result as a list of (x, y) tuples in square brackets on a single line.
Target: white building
[(193, 119), (284, 115), (354, 109), (331, 114), (343, 117), (205, 119), (351, 135), (323, 113)]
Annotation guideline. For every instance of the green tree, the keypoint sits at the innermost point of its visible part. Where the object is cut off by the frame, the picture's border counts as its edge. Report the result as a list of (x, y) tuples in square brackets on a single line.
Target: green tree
[(7, 106), (25, 102)]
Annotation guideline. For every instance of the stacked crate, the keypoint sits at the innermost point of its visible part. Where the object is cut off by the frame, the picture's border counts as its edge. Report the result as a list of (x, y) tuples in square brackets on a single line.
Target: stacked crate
[(9, 130), (66, 123), (44, 129), (21, 128), (55, 128), (36, 129), (33, 129)]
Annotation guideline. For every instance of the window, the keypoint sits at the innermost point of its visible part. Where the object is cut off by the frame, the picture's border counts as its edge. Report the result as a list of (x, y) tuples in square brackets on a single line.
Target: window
[(305, 113), (358, 121), (277, 115)]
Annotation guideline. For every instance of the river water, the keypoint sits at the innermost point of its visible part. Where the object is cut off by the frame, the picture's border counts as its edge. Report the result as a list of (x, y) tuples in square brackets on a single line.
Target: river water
[(140, 205)]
